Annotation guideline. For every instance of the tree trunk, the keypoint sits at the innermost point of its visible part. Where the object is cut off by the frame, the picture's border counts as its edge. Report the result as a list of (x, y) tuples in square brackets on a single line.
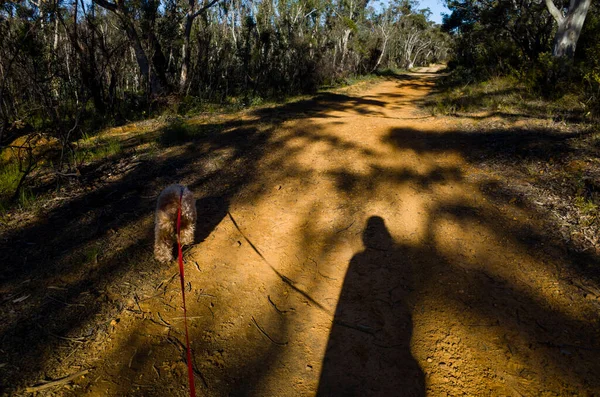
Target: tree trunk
[(142, 59), (191, 15), (385, 40), (185, 53), (86, 57), (159, 62), (140, 55), (569, 26), (344, 46)]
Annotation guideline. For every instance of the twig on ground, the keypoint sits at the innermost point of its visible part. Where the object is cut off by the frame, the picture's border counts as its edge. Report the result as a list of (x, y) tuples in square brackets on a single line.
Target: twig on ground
[(346, 228), (181, 318), (21, 299), (283, 278), (76, 174), (182, 349), (175, 342), (152, 296), (65, 303), (267, 335), (56, 288), (319, 271), (75, 340), (166, 283), (80, 339), (275, 306), (57, 382), (131, 359), (71, 353), (137, 302), (358, 327), (163, 320)]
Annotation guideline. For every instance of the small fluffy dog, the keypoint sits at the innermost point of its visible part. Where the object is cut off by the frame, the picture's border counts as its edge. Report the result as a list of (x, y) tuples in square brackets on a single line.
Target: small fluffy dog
[(165, 221)]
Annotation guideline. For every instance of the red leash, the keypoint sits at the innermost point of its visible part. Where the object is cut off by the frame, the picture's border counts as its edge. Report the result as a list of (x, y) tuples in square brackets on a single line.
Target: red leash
[(187, 338)]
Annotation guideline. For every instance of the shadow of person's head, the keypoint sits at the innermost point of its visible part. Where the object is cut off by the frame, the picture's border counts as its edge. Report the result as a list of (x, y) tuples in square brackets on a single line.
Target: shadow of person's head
[(376, 235)]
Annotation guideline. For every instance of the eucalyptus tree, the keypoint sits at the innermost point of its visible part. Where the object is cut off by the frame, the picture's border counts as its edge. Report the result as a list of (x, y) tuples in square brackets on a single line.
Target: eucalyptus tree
[(497, 36), (152, 68), (414, 37), (194, 10), (570, 22)]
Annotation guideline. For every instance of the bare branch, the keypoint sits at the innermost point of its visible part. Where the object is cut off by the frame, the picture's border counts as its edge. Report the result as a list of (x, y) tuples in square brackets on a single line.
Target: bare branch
[(204, 8), (106, 4), (554, 11)]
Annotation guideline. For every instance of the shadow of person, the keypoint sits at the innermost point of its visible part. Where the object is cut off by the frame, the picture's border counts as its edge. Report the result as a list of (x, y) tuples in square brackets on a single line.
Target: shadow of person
[(368, 352)]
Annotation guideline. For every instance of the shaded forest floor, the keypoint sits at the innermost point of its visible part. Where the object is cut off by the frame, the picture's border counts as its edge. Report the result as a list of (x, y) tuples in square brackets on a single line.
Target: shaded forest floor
[(347, 244)]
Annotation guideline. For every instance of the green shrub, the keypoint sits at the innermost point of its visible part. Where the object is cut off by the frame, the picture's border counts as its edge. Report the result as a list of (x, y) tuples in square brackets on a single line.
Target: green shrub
[(10, 175)]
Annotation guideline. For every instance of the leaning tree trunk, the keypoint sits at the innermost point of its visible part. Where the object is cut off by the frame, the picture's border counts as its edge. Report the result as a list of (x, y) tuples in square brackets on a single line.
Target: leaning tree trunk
[(185, 53), (569, 26), (188, 22), (385, 40), (142, 59), (344, 47), (156, 88)]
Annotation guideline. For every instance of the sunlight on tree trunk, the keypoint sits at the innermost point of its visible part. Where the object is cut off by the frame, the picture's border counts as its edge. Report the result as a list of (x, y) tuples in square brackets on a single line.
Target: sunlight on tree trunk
[(569, 26)]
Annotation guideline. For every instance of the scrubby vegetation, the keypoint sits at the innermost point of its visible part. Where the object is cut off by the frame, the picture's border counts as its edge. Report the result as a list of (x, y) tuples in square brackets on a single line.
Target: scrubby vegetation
[(69, 68), (518, 40)]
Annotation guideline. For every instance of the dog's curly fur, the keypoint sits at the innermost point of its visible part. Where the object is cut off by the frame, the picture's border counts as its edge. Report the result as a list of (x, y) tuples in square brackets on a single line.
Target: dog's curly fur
[(165, 221)]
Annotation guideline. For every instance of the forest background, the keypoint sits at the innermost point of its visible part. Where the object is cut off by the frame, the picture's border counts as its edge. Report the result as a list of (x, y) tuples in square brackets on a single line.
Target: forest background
[(70, 68)]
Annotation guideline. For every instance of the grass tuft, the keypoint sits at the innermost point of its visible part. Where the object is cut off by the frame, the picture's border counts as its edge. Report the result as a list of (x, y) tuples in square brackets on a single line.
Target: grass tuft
[(504, 96), (179, 132), (98, 150), (10, 175)]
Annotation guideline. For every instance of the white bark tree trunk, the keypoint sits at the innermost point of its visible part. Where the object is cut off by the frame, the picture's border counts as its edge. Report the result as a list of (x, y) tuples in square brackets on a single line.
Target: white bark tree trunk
[(385, 40), (344, 46), (569, 26)]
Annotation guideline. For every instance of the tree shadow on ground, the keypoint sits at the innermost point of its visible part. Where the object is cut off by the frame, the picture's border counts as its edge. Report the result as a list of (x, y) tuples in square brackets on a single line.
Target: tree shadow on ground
[(368, 352), (485, 290), (69, 266), (494, 318), (551, 341), (489, 297), (321, 105), (515, 150), (115, 219)]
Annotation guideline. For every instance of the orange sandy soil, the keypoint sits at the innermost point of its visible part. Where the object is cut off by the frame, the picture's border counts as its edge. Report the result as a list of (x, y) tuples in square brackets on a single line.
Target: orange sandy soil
[(347, 245)]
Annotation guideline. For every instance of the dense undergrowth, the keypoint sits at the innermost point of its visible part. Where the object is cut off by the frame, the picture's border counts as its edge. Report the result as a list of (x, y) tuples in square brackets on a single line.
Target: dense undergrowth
[(559, 171), (26, 188), (509, 96)]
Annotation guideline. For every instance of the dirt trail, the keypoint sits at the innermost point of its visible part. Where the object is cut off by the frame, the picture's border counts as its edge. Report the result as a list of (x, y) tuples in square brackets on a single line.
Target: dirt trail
[(359, 254)]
